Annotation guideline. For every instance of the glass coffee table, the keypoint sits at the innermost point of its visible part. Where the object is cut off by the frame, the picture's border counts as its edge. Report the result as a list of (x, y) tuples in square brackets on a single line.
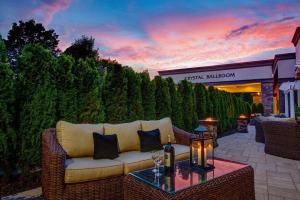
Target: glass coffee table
[(229, 180)]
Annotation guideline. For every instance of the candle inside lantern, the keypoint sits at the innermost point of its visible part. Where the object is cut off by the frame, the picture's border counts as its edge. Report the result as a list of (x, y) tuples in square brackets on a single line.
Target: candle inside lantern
[(200, 158)]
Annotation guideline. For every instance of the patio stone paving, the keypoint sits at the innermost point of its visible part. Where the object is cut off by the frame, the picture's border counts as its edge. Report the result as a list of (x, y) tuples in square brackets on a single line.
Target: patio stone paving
[(275, 178)]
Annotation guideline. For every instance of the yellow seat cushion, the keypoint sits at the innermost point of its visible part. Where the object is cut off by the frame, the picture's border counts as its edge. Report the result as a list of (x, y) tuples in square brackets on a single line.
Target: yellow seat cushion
[(128, 138), (182, 152), (136, 160), (87, 169), (77, 139), (165, 127)]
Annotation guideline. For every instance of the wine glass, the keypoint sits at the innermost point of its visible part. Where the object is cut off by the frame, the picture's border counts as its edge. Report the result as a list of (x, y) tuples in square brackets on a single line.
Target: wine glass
[(158, 162), (155, 155)]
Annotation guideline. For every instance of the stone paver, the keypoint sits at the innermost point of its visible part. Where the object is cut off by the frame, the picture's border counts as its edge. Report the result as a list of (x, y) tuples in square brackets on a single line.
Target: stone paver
[(275, 178)]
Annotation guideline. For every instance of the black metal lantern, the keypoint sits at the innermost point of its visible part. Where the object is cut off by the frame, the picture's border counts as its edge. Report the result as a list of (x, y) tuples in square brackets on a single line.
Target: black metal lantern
[(242, 124), (202, 151)]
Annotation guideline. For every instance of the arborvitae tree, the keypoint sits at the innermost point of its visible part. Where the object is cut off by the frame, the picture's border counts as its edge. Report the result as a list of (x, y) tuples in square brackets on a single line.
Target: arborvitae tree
[(37, 97), (210, 102), (248, 108), (115, 94), (148, 96), (66, 89), (134, 95), (7, 99), (247, 97), (212, 107), (201, 100), (162, 97), (260, 108), (253, 108), (88, 81), (176, 104), (188, 99)]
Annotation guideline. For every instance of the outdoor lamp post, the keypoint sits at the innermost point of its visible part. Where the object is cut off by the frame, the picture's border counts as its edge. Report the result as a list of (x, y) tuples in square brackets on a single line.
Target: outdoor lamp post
[(212, 126), (242, 124), (202, 152)]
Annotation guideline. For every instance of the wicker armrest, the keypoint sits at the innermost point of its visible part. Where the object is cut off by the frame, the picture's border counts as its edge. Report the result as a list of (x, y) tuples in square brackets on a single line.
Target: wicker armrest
[(181, 136), (53, 164)]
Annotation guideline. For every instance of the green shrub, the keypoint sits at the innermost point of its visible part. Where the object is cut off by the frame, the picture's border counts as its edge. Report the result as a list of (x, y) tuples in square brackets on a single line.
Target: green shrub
[(297, 111), (148, 96), (176, 104), (7, 111), (37, 98), (162, 98), (201, 100), (89, 92), (66, 89), (260, 108), (188, 105), (134, 95), (115, 94)]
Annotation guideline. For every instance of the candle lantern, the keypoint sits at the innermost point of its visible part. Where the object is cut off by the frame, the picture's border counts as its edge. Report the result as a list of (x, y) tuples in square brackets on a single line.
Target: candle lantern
[(212, 126), (242, 124), (202, 152)]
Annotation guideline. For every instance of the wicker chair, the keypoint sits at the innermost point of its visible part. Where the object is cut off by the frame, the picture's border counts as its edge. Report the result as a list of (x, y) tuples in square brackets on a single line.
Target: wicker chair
[(282, 139), (53, 173), (259, 135)]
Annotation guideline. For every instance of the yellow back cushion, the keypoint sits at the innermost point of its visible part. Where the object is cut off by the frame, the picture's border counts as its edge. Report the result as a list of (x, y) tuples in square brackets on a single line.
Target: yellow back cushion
[(77, 139), (128, 138), (165, 127)]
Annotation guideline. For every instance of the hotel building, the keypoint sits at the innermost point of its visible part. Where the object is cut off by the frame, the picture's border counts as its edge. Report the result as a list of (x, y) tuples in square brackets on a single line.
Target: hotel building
[(261, 78)]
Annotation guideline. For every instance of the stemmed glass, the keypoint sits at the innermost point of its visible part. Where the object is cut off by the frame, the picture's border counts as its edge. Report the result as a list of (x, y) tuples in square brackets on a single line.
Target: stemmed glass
[(157, 157)]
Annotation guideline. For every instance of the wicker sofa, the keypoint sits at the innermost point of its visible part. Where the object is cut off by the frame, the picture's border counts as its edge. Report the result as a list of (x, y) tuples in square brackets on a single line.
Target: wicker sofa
[(282, 139), (58, 182)]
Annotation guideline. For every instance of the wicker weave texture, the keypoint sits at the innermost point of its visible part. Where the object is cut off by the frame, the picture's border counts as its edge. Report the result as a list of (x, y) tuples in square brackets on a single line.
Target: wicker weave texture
[(282, 139), (53, 172), (259, 136), (238, 185)]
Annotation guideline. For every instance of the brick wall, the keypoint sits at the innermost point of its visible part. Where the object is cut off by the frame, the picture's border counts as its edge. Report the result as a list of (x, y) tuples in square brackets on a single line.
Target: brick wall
[(267, 97)]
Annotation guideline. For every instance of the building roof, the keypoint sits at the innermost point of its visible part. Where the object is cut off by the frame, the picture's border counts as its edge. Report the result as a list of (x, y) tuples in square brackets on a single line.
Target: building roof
[(258, 63), (285, 56), (296, 36)]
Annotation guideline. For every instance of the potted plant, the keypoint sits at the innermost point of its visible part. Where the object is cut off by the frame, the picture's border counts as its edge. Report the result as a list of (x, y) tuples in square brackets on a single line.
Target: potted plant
[(297, 113)]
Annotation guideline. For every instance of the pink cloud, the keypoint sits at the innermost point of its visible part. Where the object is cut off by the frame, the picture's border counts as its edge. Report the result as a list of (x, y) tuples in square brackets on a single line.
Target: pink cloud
[(187, 42), (49, 8)]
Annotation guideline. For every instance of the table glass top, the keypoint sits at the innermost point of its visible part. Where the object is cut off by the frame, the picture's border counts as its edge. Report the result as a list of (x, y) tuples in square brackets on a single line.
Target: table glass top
[(185, 176)]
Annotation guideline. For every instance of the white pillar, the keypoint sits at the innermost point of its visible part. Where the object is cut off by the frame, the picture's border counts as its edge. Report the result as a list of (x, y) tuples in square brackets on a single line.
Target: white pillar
[(292, 103), (286, 103)]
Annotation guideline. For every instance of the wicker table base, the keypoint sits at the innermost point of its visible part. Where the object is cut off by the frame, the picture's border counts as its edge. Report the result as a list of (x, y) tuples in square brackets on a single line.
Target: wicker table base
[(238, 185)]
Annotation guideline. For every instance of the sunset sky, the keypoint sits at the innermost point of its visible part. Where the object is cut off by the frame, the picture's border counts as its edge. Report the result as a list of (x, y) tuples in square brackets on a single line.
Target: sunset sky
[(164, 34)]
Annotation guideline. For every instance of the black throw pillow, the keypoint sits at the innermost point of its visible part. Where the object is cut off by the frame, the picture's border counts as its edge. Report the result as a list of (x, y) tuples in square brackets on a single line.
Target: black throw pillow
[(105, 146), (150, 140)]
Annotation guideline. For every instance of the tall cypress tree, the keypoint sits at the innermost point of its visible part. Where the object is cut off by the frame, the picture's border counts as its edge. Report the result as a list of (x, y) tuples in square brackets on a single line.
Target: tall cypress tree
[(201, 100), (37, 97), (88, 81), (134, 95), (7, 99), (115, 94), (188, 105), (66, 89), (148, 96), (176, 108), (162, 97)]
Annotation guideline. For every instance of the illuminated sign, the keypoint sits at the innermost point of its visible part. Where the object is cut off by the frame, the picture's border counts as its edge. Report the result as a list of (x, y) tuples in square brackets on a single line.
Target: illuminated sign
[(253, 73)]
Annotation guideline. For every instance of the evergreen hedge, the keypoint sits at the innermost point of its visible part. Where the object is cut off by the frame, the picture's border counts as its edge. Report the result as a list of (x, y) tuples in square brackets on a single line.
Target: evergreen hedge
[(37, 99), (91, 91), (162, 98), (176, 104), (8, 139), (148, 96)]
